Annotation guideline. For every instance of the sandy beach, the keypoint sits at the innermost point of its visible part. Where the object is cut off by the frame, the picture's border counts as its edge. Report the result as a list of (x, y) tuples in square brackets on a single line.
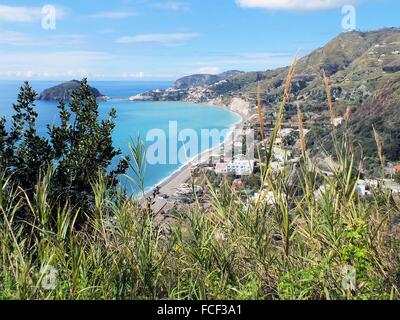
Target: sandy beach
[(170, 185)]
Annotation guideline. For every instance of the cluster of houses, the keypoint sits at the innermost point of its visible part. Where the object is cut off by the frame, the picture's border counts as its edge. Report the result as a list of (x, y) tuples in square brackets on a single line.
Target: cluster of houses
[(283, 153), (236, 167), (245, 165)]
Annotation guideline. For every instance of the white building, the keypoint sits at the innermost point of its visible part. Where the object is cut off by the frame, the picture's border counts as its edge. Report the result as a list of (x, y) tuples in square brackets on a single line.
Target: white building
[(237, 167), (392, 186)]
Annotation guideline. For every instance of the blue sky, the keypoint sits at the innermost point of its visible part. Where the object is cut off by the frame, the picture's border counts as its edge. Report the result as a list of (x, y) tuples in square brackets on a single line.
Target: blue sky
[(164, 40)]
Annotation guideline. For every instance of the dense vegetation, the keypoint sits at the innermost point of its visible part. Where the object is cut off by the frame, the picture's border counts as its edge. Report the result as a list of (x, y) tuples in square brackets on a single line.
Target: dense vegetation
[(301, 245), (76, 153), (65, 90)]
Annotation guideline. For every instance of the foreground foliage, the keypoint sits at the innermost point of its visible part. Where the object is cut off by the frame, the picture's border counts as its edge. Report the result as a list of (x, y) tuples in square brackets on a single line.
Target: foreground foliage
[(297, 248), (78, 148)]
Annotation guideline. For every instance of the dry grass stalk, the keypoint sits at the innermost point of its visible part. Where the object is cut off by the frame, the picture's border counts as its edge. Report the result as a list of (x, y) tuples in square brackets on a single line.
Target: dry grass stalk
[(279, 118), (288, 84), (329, 97), (347, 115), (378, 141), (301, 128), (260, 113)]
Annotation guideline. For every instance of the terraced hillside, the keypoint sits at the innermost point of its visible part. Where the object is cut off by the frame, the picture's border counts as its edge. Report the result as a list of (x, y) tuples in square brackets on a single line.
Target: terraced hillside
[(364, 71)]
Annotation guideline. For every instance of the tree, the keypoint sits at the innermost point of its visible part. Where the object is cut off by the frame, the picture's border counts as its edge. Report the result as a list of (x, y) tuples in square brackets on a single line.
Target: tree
[(80, 149), (3, 138), (83, 149), (24, 154)]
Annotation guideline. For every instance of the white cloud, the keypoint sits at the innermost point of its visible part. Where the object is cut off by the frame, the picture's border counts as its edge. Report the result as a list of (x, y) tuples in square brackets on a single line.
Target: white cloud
[(15, 38), (164, 38), (56, 65), (294, 4), (246, 61), (30, 74), (173, 6), (25, 14), (135, 75), (208, 70), (19, 14), (12, 38), (113, 14), (107, 31)]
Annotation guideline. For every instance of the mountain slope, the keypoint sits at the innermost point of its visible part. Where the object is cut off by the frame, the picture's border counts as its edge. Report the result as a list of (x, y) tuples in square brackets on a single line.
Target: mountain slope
[(364, 72), (198, 80), (357, 62)]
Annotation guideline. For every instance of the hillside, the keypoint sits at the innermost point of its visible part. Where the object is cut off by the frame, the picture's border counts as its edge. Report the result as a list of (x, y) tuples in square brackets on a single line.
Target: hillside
[(359, 63), (193, 88), (63, 91), (364, 70), (198, 80)]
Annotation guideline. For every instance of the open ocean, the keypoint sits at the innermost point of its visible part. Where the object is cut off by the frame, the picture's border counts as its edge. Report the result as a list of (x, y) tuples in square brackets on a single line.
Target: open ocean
[(133, 118)]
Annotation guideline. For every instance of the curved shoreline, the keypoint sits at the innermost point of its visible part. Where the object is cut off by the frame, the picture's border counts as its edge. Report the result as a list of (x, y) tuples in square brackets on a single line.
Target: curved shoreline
[(170, 183)]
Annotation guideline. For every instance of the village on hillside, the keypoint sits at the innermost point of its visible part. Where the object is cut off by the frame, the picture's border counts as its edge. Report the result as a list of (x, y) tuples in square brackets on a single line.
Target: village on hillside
[(243, 171)]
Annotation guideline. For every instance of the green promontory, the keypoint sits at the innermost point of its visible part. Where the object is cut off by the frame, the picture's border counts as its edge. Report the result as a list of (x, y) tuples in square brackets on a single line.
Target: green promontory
[(63, 91)]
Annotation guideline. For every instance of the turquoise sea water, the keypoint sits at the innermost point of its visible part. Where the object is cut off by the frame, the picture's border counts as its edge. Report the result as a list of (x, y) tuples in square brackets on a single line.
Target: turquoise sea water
[(133, 118)]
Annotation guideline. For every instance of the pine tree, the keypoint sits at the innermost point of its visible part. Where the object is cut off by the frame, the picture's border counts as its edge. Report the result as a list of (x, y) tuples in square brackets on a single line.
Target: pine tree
[(79, 149), (83, 148), (25, 154), (3, 137)]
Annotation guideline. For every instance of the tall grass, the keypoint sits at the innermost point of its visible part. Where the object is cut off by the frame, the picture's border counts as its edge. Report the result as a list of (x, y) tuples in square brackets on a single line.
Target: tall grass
[(296, 246), (260, 113)]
